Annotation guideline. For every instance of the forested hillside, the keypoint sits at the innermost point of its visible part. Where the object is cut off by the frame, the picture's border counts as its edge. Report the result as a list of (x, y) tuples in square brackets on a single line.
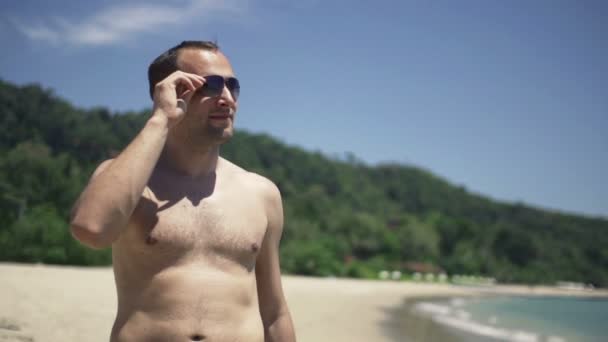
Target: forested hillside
[(342, 217)]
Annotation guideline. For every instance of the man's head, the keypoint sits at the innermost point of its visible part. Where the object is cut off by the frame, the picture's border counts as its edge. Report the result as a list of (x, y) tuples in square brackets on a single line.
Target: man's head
[(165, 64), (210, 116)]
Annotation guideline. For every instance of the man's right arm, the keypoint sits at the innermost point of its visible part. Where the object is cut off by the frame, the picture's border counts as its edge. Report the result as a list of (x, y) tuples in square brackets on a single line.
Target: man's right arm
[(106, 204)]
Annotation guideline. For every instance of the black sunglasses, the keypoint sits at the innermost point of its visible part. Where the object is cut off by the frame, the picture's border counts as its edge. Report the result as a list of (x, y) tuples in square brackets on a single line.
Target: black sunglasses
[(214, 86)]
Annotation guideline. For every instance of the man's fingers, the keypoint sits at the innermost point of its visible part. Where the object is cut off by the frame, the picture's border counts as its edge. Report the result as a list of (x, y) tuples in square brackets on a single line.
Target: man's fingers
[(187, 95), (182, 84), (186, 83), (193, 77), (190, 81), (196, 80)]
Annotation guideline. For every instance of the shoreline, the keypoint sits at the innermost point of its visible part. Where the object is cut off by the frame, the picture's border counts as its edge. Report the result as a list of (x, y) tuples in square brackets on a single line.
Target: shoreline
[(438, 319), (69, 303)]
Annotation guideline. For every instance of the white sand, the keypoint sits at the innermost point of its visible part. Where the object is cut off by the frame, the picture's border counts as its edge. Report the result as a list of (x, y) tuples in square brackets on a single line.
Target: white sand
[(59, 304)]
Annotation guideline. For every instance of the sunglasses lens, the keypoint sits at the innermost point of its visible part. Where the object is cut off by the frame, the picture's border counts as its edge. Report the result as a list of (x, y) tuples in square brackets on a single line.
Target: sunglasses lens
[(213, 85), (234, 87)]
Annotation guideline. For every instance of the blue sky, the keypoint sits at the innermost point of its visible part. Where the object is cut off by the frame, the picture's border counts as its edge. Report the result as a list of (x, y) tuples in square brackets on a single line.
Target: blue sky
[(508, 98)]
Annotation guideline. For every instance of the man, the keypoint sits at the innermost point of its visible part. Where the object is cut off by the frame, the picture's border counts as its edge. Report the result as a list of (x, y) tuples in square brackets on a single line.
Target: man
[(194, 237)]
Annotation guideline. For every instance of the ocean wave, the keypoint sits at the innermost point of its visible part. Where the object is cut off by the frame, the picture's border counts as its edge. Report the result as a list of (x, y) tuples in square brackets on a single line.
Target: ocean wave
[(454, 316)]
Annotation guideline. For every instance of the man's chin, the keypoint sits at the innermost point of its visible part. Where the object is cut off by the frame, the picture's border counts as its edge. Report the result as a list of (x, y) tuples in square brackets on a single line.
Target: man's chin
[(221, 136), (226, 136)]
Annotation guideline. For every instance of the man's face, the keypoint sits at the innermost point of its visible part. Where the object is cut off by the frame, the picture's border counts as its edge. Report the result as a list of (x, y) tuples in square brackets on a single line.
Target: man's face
[(208, 119)]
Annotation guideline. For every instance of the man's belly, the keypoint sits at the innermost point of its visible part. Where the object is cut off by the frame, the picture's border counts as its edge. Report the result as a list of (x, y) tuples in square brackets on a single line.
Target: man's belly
[(187, 304)]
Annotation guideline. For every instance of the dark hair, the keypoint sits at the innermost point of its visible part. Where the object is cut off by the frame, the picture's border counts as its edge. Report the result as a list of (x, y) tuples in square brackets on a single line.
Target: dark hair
[(165, 64)]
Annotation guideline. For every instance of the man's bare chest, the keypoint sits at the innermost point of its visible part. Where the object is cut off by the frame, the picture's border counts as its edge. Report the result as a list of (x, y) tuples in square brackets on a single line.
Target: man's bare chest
[(227, 226)]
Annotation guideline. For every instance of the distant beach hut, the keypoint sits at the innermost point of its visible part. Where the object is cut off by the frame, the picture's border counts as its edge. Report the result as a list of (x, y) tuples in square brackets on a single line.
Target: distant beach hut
[(422, 267)]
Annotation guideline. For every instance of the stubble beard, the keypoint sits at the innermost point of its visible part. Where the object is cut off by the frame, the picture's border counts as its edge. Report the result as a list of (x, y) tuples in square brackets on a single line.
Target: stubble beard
[(217, 135), (208, 136)]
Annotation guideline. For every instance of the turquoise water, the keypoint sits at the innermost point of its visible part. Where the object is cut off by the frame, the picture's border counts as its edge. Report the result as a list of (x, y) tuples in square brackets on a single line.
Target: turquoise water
[(572, 319)]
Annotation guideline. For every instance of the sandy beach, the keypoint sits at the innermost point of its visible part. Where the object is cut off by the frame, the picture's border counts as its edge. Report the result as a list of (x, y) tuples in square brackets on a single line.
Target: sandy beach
[(57, 303)]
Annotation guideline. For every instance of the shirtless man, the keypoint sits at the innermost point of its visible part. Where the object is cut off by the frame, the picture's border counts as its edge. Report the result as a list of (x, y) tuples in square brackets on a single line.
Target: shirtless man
[(194, 237)]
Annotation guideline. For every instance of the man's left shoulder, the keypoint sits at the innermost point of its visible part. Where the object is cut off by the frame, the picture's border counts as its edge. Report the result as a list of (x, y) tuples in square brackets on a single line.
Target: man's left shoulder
[(270, 197), (257, 183), (263, 186)]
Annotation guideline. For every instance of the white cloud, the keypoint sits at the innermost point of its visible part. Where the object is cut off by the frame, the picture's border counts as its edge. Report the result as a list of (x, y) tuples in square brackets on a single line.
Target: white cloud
[(38, 32), (119, 23)]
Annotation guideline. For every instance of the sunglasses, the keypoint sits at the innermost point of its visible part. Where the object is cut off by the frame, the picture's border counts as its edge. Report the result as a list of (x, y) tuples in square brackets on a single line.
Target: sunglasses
[(214, 86)]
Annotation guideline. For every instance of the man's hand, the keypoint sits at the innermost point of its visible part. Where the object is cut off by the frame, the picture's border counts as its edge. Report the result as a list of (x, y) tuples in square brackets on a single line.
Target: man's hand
[(171, 95)]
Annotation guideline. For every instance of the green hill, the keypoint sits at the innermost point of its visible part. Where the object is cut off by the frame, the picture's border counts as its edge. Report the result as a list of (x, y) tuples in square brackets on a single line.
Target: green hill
[(342, 217)]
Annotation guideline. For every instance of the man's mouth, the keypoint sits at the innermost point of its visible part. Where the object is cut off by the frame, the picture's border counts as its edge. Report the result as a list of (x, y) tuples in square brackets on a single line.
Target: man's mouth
[(220, 116)]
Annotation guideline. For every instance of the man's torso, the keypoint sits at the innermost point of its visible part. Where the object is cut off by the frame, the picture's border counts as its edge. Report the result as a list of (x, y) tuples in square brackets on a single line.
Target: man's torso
[(184, 266)]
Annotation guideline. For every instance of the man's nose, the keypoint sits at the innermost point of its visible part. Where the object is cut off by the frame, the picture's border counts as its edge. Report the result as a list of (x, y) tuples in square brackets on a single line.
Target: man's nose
[(226, 99)]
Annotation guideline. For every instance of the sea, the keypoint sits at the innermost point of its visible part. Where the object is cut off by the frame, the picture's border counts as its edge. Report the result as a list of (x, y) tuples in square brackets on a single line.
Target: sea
[(508, 318)]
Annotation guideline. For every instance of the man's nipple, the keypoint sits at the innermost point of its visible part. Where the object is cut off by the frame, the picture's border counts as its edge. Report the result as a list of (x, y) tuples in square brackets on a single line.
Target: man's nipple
[(150, 240)]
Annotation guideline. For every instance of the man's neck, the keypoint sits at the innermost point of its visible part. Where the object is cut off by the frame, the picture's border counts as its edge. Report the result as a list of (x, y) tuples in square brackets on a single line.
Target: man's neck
[(193, 163)]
